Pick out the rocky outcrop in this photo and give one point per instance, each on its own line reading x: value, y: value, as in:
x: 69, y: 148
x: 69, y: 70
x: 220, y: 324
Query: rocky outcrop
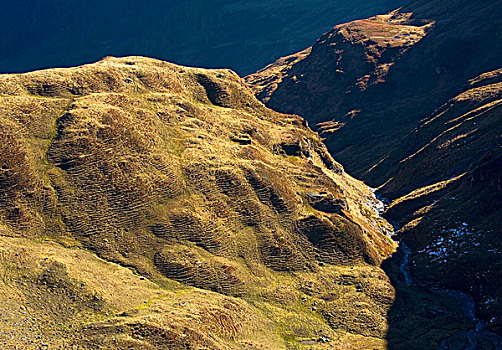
x: 326, y: 202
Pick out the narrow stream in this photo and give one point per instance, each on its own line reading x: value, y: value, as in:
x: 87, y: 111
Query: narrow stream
x: 405, y: 264
x: 473, y: 336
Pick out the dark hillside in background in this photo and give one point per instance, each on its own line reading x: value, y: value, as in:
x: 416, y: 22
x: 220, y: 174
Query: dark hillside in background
x: 242, y: 35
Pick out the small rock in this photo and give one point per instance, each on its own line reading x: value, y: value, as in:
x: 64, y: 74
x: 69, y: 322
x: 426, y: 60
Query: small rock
x: 308, y: 342
x: 326, y: 203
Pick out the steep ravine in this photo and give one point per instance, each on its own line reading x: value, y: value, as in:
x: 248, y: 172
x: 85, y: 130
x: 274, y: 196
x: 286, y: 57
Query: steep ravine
x: 472, y: 335
x: 468, y: 334
x: 423, y: 317
x: 240, y: 229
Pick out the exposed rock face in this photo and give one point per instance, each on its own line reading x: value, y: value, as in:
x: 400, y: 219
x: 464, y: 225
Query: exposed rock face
x: 183, y: 176
x: 326, y: 202
x: 410, y: 102
x: 293, y: 145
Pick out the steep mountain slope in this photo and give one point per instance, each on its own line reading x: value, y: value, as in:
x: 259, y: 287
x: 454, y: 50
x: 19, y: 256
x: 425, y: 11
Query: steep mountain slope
x: 240, y: 34
x: 240, y: 229
x: 367, y: 83
x: 409, y: 102
x: 453, y: 209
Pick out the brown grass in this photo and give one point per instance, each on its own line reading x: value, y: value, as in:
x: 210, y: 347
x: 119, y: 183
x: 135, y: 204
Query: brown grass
x: 183, y: 176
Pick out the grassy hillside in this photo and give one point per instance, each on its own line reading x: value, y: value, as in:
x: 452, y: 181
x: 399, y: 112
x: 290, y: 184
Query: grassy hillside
x: 367, y: 84
x: 149, y: 205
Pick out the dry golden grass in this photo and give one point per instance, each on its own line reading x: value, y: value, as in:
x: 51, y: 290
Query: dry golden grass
x: 380, y: 37
x: 181, y: 175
